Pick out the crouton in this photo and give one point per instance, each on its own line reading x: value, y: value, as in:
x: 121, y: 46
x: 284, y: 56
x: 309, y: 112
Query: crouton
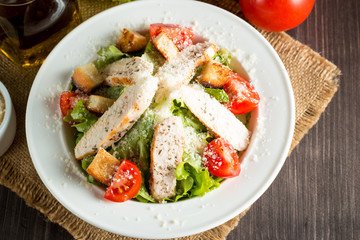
x: 131, y: 41
x: 103, y: 167
x: 87, y: 77
x: 126, y: 71
x: 214, y: 75
x: 98, y: 104
x: 166, y: 154
x: 180, y: 70
x: 217, y: 118
x: 165, y: 46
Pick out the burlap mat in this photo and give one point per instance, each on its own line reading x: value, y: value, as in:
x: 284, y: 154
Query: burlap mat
x: 314, y: 80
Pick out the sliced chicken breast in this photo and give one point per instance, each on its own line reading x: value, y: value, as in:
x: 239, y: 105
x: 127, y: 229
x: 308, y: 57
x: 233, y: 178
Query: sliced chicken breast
x: 119, y: 118
x: 127, y: 71
x: 180, y: 69
x: 166, y: 153
x: 215, y: 117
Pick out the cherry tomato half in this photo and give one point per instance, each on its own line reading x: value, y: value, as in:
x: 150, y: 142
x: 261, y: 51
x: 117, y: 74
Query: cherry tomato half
x: 221, y: 159
x: 125, y: 184
x: 242, y: 95
x: 182, y: 37
x: 276, y: 15
x: 69, y: 99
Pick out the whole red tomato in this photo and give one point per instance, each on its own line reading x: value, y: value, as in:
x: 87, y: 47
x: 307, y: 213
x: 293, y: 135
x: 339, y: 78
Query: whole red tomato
x: 276, y: 15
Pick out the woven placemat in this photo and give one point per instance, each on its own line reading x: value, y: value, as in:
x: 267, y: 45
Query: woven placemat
x: 314, y: 80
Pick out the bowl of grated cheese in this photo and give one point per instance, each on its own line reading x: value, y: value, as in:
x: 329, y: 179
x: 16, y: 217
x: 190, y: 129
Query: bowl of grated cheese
x: 7, y: 120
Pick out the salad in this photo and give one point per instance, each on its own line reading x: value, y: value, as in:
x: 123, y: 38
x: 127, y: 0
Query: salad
x: 158, y: 117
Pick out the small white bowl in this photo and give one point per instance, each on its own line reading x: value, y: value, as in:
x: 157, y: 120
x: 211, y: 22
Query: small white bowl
x: 8, y: 124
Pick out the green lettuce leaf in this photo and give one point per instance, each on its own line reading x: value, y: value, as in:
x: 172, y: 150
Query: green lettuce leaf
x: 114, y: 92
x: 192, y: 182
x: 223, y: 56
x: 107, y: 55
x: 82, y: 118
x: 143, y: 195
x: 85, y: 162
x: 135, y: 146
x: 180, y: 109
x: 244, y: 118
x: 152, y: 55
x: 110, y: 92
x: 218, y: 94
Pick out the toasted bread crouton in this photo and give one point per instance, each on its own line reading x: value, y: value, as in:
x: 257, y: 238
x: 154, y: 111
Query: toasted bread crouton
x: 99, y: 104
x: 209, y: 50
x: 165, y: 46
x: 181, y: 69
x: 218, y: 119
x: 126, y: 71
x: 214, y: 75
x: 131, y: 41
x: 87, y: 77
x: 103, y: 167
x: 166, y: 153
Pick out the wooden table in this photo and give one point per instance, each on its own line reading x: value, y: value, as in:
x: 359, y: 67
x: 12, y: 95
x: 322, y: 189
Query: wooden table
x: 316, y: 194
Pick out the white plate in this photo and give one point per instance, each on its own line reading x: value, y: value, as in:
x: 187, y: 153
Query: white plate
x: 49, y: 139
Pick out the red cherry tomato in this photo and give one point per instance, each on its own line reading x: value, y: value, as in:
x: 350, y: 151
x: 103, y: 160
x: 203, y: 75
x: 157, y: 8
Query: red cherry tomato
x: 69, y: 99
x: 221, y: 159
x: 276, y: 15
x: 125, y: 184
x: 182, y: 37
x: 242, y: 95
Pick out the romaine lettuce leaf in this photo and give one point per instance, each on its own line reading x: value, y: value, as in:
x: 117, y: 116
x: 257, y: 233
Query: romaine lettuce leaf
x: 82, y: 118
x: 143, y: 194
x: 152, y: 55
x: 218, y: 94
x: 244, y: 118
x: 180, y: 109
x: 192, y: 182
x: 107, y: 55
x: 114, y: 92
x: 110, y: 92
x: 223, y: 56
x: 85, y: 162
x: 136, y: 142
x: 135, y: 145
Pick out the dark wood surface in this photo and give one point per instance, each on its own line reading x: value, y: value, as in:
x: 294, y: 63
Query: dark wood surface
x: 317, y: 193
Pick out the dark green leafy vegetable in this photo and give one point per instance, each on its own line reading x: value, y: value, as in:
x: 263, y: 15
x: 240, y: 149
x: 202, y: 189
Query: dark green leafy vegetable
x: 110, y: 92
x: 71, y: 86
x: 143, y: 194
x: 218, y: 94
x: 135, y: 146
x: 136, y: 142
x: 107, y: 55
x: 180, y: 109
x: 85, y: 162
x: 152, y: 55
x: 223, y: 56
x: 244, y: 118
x: 193, y: 182
x: 82, y: 118
x: 114, y: 92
